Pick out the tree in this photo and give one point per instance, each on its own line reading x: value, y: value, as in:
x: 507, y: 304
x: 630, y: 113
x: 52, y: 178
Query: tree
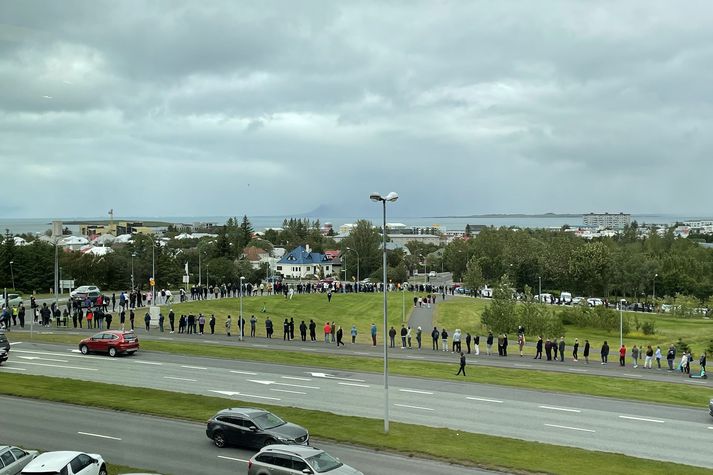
x: 473, y: 277
x: 245, y: 233
x: 366, y: 241
x: 500, y: 316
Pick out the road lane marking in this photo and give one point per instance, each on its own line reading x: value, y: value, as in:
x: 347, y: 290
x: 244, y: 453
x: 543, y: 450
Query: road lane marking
x: 484, y: 399
x: 237, y: 393
x: 57, y: 366
x: 642, y: 419
x: 194, y: 367
x: 148, y: 362
x: 578, y: 370
x: 13, y: 369
x: 243, y: 372
x: 261, y: 397
x: 256, y: 345
x: 417, y: 391
x: 361, y: 353
x: 553, y: 408
x: 711, y: 428
x: 268, y: 383
x: 329, y: 376
x: 12, y: 343
x: 32, y: 358
x: 232, y: 458
x: 417, y: 357
x: 286, y: 391
x: 355, y: 384
x: 296, y: 378
x: 181, y: 379
x: 98, y: 435
x: 415, y: 407
x: 523, y: 365
x: 310, y: 349
x: 632, y: 375
x: 570, y: 428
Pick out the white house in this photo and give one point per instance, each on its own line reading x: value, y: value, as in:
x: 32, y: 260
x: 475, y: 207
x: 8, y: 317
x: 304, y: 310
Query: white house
x: 301, y: 262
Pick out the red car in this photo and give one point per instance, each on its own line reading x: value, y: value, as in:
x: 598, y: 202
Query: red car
x: 113, y: 342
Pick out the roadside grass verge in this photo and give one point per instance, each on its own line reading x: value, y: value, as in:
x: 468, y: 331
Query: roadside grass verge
x: 345, y: 310
x: 465, y: 313
x: 551, y: 381
x: 442, y: 444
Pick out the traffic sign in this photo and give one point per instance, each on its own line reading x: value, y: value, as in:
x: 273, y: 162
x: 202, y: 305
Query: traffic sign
x: 152, y: 282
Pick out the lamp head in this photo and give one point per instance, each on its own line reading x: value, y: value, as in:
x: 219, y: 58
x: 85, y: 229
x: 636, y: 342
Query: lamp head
x: 242, y: 278
x: 375, y: 197
x: 393, y: 196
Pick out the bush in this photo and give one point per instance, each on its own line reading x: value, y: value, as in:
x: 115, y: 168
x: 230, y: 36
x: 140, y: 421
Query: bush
x: 649, y: 327
x: 682, y: 346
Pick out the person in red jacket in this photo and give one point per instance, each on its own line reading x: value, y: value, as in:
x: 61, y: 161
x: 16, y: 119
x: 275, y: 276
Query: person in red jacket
x: 327, y: 332
x: 622, y: 355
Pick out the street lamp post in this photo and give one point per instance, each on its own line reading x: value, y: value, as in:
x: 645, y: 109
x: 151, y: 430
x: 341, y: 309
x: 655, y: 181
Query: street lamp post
x: 240, y: 318
x: 12, y: 275
x: 60, y: 281
x: 539, y: 295
x: 655, y: 275
x: 133, y: 254
x: 403, y: 302
x: 621, y: 325
x: 383, y: 199
x: 153, y: 272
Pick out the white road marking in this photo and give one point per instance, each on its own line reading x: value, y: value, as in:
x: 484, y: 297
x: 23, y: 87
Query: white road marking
x: 57, y: 366
x: 286, y: 391
x: 329, y: 376
x: 417, y: 391
x: 578, y: 370
x: 98, y: 435
x: 256, y: 345
x: 361, y: 353
x: 243, y: 372
x: 310, y: 349
x: 32, y: 358
x: 15, y: 343
x: 193, y: 367
x: 355, y: 384
x: 13, y: 369
x: 570, y: 428
x: 231, y: 458
x: 632, y: 375
x: 268, y: 383
x: 165, y: 338
x: 148, y: 362
x: 297, y: 378
x: 415, y: 407
x: 711, y: 428
x: 497, y: 401
x: 642, y: 419
x: 523, y: 365
x: 236, y: 393
x: 552, y: 408
x: 416, y: 357
x: 180, y: 379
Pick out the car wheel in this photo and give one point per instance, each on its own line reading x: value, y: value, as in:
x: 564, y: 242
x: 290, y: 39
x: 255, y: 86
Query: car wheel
x: 268, y: 441
x: 102, y: 471
x: 84, y: 349
x: 112, y: 351
x: 219, y: 439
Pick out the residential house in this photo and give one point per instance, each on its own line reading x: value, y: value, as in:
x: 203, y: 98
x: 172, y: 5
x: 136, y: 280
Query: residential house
x: 302, y: 263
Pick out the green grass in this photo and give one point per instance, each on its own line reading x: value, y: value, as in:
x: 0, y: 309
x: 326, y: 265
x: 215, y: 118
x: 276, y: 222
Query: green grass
x: 438, y: 443
x: 620, y: 388
x: 465, y: 313
x: 345, y: 309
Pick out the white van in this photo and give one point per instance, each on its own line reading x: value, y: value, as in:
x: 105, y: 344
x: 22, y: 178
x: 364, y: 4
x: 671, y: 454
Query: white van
x: 565, y: 298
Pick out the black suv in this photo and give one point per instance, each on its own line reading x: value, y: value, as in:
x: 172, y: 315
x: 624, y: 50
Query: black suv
x: 252, y: 427
x: 4, y: 347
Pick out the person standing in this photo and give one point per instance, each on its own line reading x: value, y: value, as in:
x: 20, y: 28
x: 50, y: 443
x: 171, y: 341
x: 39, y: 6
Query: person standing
x: 489, y: 343
x: 622, y: 355
x: 605, y: 352
x: 648, y: 357
x: 228, y: 324
x: 132, y: 316
x: 435, y: 334
x: 538, y: 349
x: 292, y: 328
x: 303, y: 330
x: 670, y: 357
x: 171, y: 320
x: 468, y: 339
x: 521, y: 343
x: 340, y: 335
x: 211, y: 324
x: 354, y: 333
x: 505, y: 344
x: 702, y: 362
x: 418, y: 337
x: 286, y: 331
x: 476, y: 345
x: 403, y: 336
x: 635, y: 356
x: 191, y: 323
x: 108, y: 319
x: 327, y: 331
x: 113, y: 302
x: 456, y: 341
x: 21, y: 316
x: 333, y: 331
x: 312, y: 330
x: 658, y: 357
x: 160, y: 321
x: 147, y: 320
x: 392, y: 336
x: 444, y: 339
x: 575, y: 350
x: 562, y: 347
x: 408, y: 336
x: 548, y: 349
x: 373, y: 334
x: 462, y: 365
x: 201, y: 323
x: 253, y: 323
x: 586, y: 352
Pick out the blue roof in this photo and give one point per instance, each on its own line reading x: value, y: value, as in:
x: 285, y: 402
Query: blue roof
x: 300, y: 256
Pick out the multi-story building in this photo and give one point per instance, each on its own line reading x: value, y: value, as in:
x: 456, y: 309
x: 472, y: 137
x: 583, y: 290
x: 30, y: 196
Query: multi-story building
x: 607, y: 220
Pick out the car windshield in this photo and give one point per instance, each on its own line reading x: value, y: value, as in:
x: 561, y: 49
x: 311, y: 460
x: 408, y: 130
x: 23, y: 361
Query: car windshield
x: 267, y: 420
x: 323, y: 462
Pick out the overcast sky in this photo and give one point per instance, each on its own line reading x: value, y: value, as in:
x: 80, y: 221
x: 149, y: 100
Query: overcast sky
x: 273, y: 108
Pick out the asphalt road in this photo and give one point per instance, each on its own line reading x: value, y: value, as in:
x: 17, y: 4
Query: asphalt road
x: 639, y: 429
x: 166, y: 445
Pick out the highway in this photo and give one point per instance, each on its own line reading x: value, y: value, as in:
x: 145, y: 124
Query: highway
x: 639, y: 429
x: 165, y: 445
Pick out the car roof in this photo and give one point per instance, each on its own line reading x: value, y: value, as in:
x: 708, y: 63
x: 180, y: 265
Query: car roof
x: 246, y: 411
x: 300, y: 450
x: 54, y: 461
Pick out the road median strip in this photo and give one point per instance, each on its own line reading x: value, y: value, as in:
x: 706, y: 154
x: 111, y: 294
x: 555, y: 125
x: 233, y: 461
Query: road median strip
x: 448, y: 445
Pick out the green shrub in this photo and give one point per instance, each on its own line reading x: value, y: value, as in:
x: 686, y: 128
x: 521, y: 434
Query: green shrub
x: 649, y: 327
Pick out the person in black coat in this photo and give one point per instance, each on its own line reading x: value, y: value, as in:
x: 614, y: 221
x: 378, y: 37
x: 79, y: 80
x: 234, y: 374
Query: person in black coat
x: 585, y: 353
x: 538, y: 355
x: 505, y: 345
x: 303, y: 331
x: 435, y: 334
x: 286, y: 330
x: 211, y: 324
x: 462, y: 364
x: 467, y: 341
x: 605, y: 353
x: 548, y: 349
x: 340, y: 335
x: 312, y: 330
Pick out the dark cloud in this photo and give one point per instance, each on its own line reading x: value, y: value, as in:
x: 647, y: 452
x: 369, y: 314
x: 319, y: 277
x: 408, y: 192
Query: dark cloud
x: 174, y: 107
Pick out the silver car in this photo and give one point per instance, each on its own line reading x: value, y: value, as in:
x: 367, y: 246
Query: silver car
x: 14, y: 459
x: 296, y: 460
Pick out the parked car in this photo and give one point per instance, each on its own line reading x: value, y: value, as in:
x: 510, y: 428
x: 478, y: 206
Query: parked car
x: 83, y: 289
x: 296, y: 460
x: 66, y: 463
x: 4, y: 347
x: 14, y: 459
x: 710, y: 407
x: 595, y: 302
x: 578, y: 300
x: 113, y: 342
x: 11, y: 300
x: 251, y: 427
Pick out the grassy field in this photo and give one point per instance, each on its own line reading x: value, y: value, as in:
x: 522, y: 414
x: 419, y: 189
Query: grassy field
x: 438, y: 443
x: 344, y: 309
x: 621, y: 388
x: 465, y: 313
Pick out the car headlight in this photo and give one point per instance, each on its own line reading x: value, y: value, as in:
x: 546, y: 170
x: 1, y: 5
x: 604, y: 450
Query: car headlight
x: 285, y: 440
